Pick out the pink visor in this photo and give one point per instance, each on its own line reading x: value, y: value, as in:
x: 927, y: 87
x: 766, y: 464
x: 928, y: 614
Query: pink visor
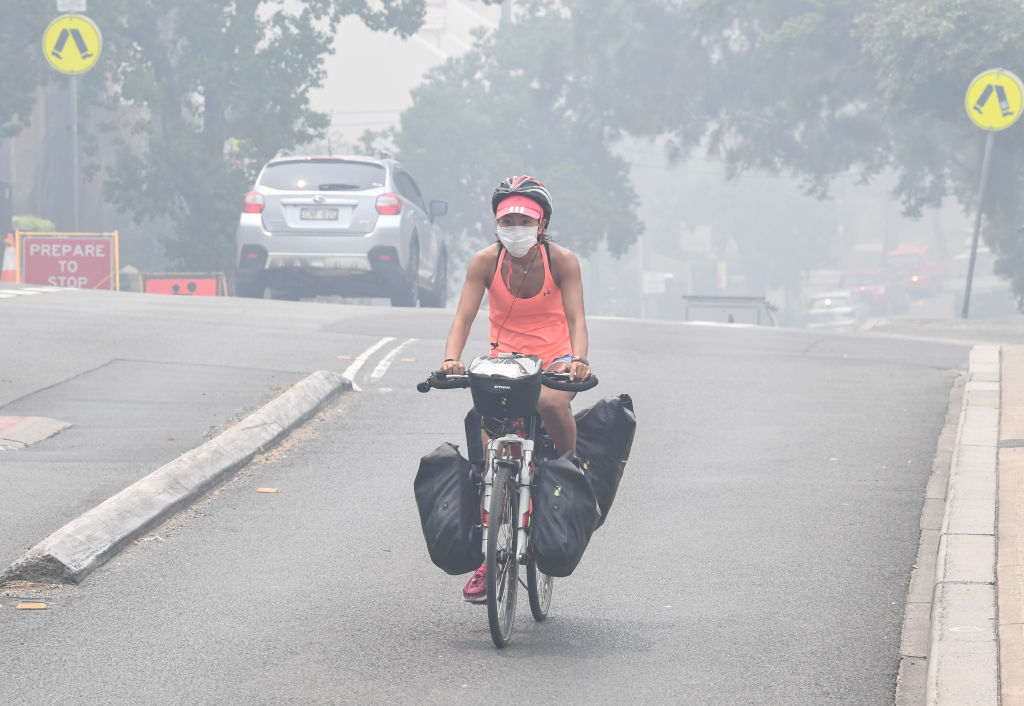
x: 519, y: 204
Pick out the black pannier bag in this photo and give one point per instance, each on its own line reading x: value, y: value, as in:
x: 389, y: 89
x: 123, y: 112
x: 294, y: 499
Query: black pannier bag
x: 447, y: 490
x: 604, y: 437
x: 565, y: 513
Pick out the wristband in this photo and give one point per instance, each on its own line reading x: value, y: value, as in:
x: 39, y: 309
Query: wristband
x: 580, y: 359
x: 450, y: 360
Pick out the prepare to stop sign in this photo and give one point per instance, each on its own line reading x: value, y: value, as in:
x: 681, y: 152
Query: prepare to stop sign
x: 84, y: 263
x: 68, y: 249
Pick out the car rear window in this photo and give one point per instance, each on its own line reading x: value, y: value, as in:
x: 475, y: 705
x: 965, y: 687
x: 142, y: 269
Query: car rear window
x: 323, y: 176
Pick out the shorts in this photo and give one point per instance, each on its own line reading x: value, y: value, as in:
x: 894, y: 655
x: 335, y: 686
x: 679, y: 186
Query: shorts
x: 563, y: 359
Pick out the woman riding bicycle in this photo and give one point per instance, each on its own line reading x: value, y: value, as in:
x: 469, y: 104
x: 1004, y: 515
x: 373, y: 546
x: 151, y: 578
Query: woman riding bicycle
x: 535, y: 295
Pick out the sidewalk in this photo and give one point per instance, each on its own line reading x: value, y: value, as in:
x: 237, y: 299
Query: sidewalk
x: 963, y: 638
x: 1010, y: 533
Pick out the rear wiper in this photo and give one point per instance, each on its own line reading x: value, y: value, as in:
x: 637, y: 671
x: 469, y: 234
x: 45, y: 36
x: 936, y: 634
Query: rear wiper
x: 338, y: 187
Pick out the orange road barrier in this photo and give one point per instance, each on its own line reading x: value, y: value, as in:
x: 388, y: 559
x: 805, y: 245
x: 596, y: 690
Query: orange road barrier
x: 205, y: 284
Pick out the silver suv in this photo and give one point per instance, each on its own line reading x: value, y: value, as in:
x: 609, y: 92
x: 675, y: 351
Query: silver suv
x: 350, y: 226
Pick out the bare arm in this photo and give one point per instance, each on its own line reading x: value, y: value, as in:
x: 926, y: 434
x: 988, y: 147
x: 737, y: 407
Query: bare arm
x: 570, y: 281
x: 477, y: 276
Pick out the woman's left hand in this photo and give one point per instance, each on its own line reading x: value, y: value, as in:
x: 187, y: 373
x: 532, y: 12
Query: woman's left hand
x: 579, y: 369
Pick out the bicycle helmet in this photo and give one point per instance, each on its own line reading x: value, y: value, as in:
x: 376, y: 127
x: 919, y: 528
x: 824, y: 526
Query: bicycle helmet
x: 523, y: 186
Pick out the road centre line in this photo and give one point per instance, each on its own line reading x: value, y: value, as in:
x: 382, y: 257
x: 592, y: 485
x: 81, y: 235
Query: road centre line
x: 382, y: 366
x: 353, y: 369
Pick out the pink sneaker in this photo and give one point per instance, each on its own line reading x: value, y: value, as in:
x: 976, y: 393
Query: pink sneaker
x: 476, y: 588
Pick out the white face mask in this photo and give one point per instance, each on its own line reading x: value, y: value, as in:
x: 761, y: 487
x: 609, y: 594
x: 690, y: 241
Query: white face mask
x: 518, y: 239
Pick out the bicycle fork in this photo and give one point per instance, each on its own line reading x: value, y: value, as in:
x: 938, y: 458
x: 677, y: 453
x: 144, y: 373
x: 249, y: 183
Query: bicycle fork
x: 515, y: 449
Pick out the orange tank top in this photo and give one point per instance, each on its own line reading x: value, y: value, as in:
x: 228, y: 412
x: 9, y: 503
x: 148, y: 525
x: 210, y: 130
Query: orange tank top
x: 534, y: 326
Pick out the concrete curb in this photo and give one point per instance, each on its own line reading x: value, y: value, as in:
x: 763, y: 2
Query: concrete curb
x: 72, y: 552
x: 963, y: 641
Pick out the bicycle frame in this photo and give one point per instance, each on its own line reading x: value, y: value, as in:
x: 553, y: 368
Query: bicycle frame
x: 518, y: 450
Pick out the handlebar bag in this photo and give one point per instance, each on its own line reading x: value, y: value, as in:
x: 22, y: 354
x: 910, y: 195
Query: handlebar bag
x: 505, y: 386
x: 565, y: 513
x: 604, y: 437
x: 447, y: 491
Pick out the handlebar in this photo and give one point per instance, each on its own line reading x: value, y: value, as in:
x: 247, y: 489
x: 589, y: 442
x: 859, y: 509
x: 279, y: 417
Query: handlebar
x: 441, y: 380
x: 557, y: 381
x: 561, y: 381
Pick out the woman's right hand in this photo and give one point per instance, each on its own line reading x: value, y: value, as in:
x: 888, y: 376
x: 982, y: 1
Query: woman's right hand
x: 453, y: 367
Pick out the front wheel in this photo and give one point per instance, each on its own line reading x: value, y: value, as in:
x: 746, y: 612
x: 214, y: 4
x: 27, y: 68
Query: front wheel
x: 502, y: 554
x: 539, y: 586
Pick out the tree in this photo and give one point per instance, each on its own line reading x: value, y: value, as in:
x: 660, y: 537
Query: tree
x: 926, y: 53
x: 505, y: 108
x: 817, y: 89
x: 205, y: 92
x: 21, y: 61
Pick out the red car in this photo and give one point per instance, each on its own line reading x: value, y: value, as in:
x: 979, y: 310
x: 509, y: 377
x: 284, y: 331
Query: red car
x: 883, y: 292
x: 919, y: 268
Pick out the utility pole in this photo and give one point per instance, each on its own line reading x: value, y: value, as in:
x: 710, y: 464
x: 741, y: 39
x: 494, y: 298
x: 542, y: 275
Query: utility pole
x: 506, y: 12
x: 72, y: 45
x: 994, y: 102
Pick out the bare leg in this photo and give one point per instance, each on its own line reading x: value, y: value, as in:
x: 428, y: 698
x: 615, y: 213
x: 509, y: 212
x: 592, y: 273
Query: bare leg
x: 553, y: 408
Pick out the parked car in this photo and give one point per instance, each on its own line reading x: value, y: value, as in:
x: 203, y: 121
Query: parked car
x: 351, y: 226
x: 756, y: 311
x: 991, y: 295
x: 919, y: 268
x: 882, y: 292
x: 842, y: 310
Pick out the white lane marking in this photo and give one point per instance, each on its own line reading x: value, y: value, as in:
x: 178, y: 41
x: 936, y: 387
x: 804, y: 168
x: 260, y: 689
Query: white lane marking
x: 382, y: 367
x: 350, y: 371
x: 7, y: 296
x: 18, y: 292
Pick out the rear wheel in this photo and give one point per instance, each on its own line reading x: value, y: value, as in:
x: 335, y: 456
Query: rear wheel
x: 502, y: 555
x: 405, y: 290
x: 539, y: 586
x: 436, y: 297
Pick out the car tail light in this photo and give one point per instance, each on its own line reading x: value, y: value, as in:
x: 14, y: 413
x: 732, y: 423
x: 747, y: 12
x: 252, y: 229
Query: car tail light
x: 253, y: 202
x: 389, y: 205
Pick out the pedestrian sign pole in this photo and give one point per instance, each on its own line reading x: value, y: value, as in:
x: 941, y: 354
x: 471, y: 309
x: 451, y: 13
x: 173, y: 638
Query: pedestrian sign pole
x: 993, y: 102
x: 72, y: 45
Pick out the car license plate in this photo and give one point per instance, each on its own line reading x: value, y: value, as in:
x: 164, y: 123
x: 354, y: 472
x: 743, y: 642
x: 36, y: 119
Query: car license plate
x: 318, y: 214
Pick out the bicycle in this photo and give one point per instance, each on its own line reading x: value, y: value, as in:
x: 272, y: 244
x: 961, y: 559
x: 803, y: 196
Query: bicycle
x: 505, y: 391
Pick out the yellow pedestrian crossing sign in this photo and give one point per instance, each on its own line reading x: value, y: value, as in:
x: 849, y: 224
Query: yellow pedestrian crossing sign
x: 72, y: 44
x: 994, y: 99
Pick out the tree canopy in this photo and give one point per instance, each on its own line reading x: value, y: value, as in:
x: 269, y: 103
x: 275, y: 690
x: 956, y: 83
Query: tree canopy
x: 204, y: 92
x: 21, y: 30
x: 504, y: 109
x: 812, y: 89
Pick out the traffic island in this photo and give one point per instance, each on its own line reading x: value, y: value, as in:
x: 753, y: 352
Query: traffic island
x: 68, y: 555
